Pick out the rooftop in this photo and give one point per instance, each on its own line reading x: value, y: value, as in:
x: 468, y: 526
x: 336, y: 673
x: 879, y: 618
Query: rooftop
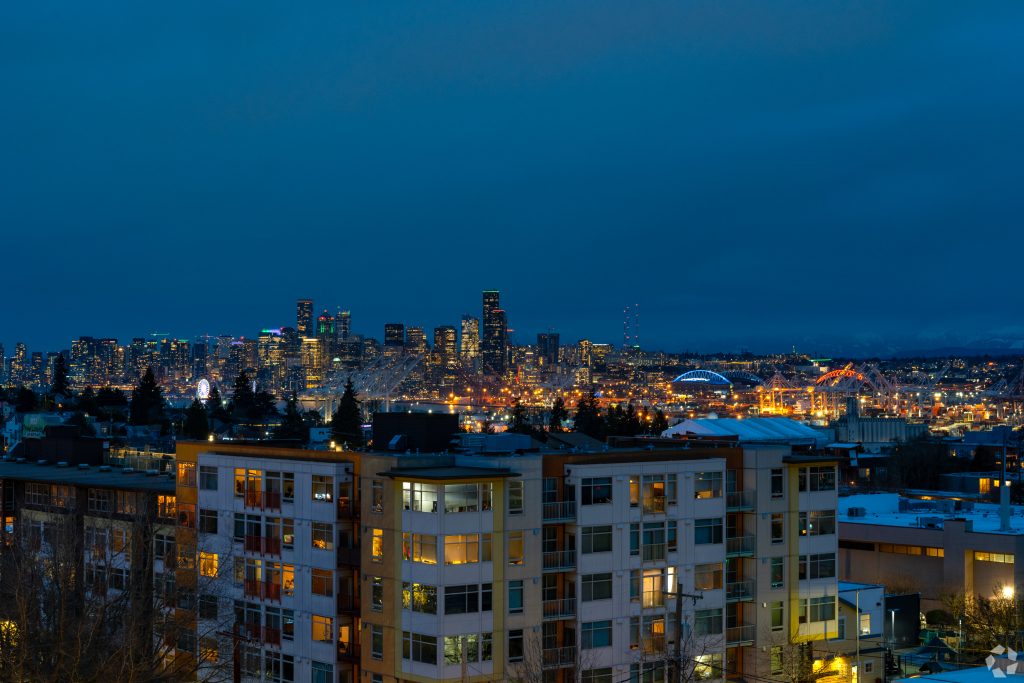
x: 110, y: 478
x: 763, y: 429
x: 449, y: 472
x: 891, y: 509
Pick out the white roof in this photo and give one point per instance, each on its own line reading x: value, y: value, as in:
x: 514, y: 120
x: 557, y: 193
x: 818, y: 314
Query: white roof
x: 883, y: 509
x: 975, y: 674
x: 749, y: 429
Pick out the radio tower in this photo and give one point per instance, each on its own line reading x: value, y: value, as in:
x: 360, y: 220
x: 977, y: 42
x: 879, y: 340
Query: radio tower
x: 631, y: 326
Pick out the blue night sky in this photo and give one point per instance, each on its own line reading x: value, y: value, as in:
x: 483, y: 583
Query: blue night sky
x: 754, y: 174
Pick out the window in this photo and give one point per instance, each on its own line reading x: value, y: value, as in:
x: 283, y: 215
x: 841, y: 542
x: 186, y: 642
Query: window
x: 208, y: 477
x: 377, y: 641
x: 707, y: 485
x: 187, y: 515
x: 322, y: 582
x: 377, y: 593
x: 376, y: 495
x: 208, y: 521
x: 127, y: 502
x: 462, y: 549
x: 775, y: 660
x: 462, y: 497
x: 865, y: 624
x: 99, y: 500
x: 818, y: 523
x: 419, y: 597
x: 982, y: 556
x: 840, y: 629
x: 515, y: 497
x: 821, y: 566
x: 208, y: 564
x: 515, y: 547
x: 707, y: 666
x: 634, y: 539
x: 707, y: 577
x: 167, y: 507
x: 323, y: 536
x: 209, y: 607
x: 62, y: 495
x: 515, y: 597
x: 288, y: 486
x: 462, y: 599
x: 778, y: 528
x: 634, y: 491
x: 377, y: 545
x: 280, y: 668
x: 288, y: 624
x: 653, y: 585
x: 707, y: 531
x: 119, y: 578
x: 323, y: 629
x: 39, y: 494
x: 647, y: 672
x: 822, y: 478
x: 777, y: 615
x: 597, y: 587
x: 120, y: 540
x: 596, y: 491
x: 163, y: 546
x: 707, y: 622
x: 778, y: 575
x: 817, y: 609
x: 419, y: 497
x: 597, y: 539
x: 597, y: 676
x: 596, y: 634
x: 187, y: 474
x: 653, y: 541
x: 777, y: 480
x: 322, y: 672
x: 419, y: 647
x: 419, y: 548
x: 648, y: 633
x: 515, y: 645
x: 323, y: 488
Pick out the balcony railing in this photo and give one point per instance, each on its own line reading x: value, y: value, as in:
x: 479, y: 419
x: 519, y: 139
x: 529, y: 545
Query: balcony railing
x: 348, y: 651
x: 740, y: 635
x: 262, y: 500
x: 262, y: 590
x: 653, y: 552
x: 653, y: 644
x: 740, y: 500
x: 558, y: 657
x: 271, y: 636
x: 654, y: 505
x: 263, y: 545
x: 559, y: 560
x: 739, y: 590
x: 348, y: 557
x: 562, y: 511
x: 741, y: 545
x: 563, y: 608
x: 348, y: 604
x: 348, y: 509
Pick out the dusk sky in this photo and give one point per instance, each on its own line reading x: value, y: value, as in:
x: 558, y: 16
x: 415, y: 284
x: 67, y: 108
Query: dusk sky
x: 753, y: 174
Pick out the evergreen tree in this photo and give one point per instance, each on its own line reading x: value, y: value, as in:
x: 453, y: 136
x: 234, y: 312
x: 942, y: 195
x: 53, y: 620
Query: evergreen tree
x: 558, y: 415
x: 215, y: 406
x: 519, y: 423
x: 264, y: 405
x: 111, y: 404
x: 588, y: 417
x: 660, y: 423
x: 87, y: 402
x: 25, y: 400
x: 60, y: 378
x: 346, y: 423
x: 147, y: 406
x: 292, y: 426
x: 79, y: 420
x: 197, y: 423
x: 243, y: 400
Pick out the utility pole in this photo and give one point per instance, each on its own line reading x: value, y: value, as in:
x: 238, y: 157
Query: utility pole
x: 677, y: 659
x: 237, y: 637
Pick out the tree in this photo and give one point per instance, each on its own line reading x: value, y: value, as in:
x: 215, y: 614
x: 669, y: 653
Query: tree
x: 293, y: 426
x: 347, y: 421
x: 60, y: 387
x: 518, y: 423
x: 25, y: 400
x: 588, y: 417
x: 147, y: 406
x: 558, y: 415
x: 660, y: 423
x: 243, y: 399
x: 87, y: 402
x: 111, y: 403
x: 79, y: 420
x: 215, y: 407
x: 197, y: 424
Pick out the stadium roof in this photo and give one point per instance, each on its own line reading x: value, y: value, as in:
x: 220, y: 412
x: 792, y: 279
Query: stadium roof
x: 777, y: 429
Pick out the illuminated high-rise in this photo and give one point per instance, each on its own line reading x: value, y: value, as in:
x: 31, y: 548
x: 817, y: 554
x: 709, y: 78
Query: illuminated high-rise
x: 304, y: 317
x: 494, y: 345
x: 394, y: 340
x: 343, y: 323
x: 547, y: 350
x: 415, y: 340
x: 469, y: 350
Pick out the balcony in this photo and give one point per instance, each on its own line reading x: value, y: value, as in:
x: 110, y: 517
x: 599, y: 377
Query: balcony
x: 348, y: 557
x: 348, y: 509
x: 261, y: 590
x: 562, y: 511
x: 564, y: 608
x: 739, y: 635
x: 654, y: 505
x: 558, y: 657
x: 560, y: 560
x: 653, y: 644
x: 348, y: 652
x: 262, y: 500
x: 737, y: 591
x: 263, y: 545
x: 654, y: 552
x: 737, y: 501
x: 348, y: 604
x: 740, y: 546
x: 271, y: 636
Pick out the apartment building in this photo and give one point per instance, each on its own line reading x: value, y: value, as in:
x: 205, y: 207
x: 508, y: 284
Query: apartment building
x: 539, y: 566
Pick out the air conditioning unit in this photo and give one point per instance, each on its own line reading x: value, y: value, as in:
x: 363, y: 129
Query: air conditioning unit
x: 857, y: 512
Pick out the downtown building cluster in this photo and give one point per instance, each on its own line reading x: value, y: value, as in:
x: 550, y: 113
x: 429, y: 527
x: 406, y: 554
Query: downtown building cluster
x: 332, y: 566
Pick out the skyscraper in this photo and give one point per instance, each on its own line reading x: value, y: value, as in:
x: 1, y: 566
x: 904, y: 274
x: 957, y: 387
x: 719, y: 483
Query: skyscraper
x: 415, y: 340
x: 343, y: 321
x: 494, y: 345
x: 547, y: 350
x: 470, y: 345
x: 394, y: 339
x: 304, y: 317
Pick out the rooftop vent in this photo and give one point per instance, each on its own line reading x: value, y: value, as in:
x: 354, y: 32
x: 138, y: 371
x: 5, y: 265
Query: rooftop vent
x: 152, y: 473
x: 83, y: 466
x: 42, y: 463
x: 127, y: 470
x: 857, y: 512
x: 20, y: 460
x: 62, y: 463
x: 104, y: 468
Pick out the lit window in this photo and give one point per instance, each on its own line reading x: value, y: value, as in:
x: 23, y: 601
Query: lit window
x: 208, y: 563
x: 323, y: 629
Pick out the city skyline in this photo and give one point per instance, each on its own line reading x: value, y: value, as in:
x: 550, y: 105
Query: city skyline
x: 734, y: 173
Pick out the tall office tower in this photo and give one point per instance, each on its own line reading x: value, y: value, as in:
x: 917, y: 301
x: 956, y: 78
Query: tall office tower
x: 547, y: 350
x: 494, y: 345
x: 3, y: 366
x: 199, y: 351
x: 19, y: 364
x: 394, y: 340
x: 51, y: 366
x: 343, y: 321
x: 469, y: 350
x: 444, y: 344
x: 38, y: 368
x: 270, y: 359
x: 416, y: 340
x: 304, y: 317
x: 312, y: 362
x: 325, y: 326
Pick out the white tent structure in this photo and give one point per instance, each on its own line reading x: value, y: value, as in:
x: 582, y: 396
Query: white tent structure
x: 762, y: 429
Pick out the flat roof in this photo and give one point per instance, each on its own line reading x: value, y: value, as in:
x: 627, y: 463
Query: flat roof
x: 450, y: 472
x: 91, y: 477
x: 883, y: 509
